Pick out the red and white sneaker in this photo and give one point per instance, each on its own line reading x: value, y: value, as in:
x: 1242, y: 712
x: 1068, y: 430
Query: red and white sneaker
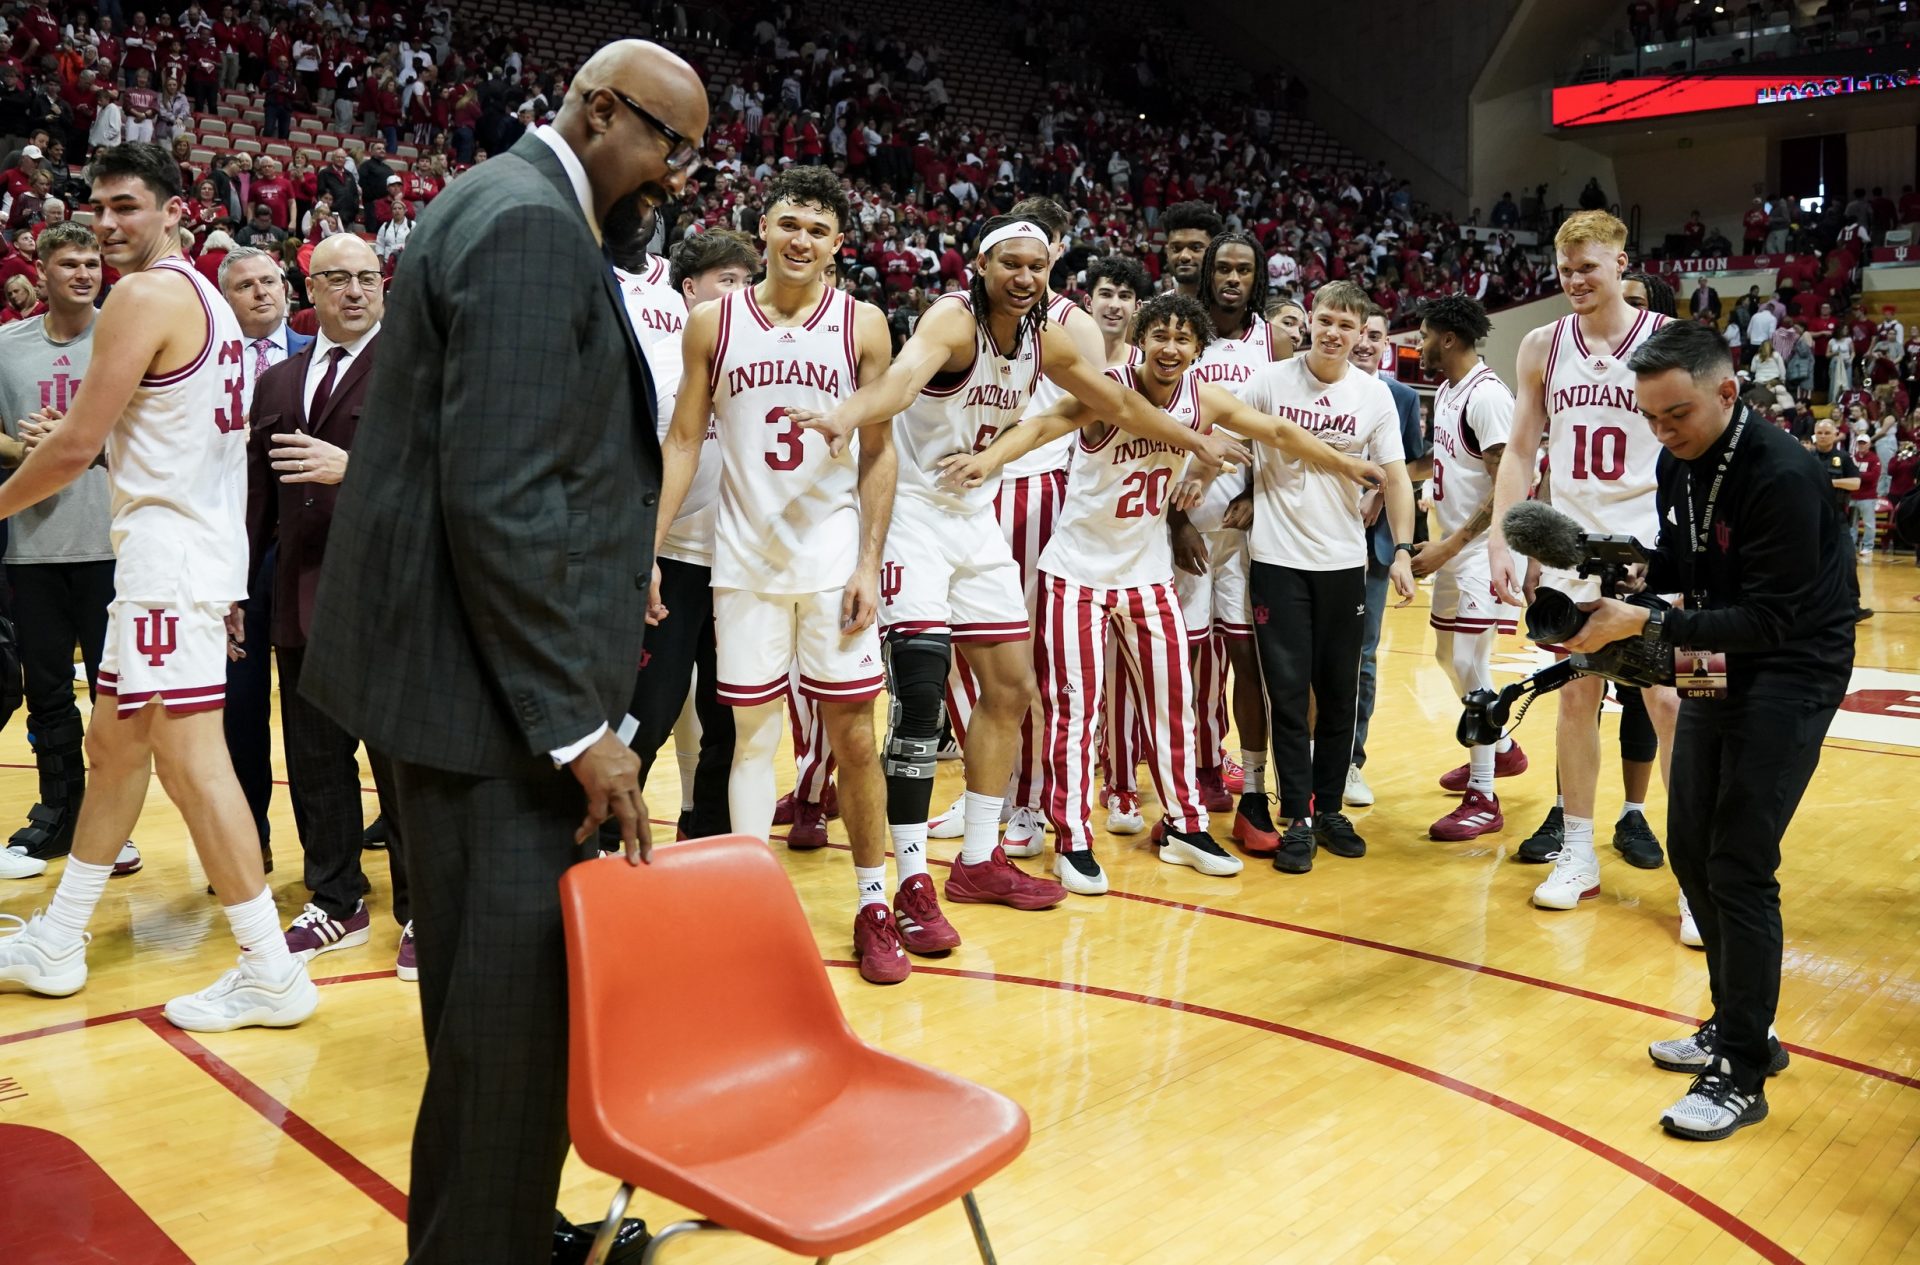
x: 809, y: 829
x: 1478, y: 814
x: 998, y: 881
x: 1509, y: 763
x: 405, y: 965
x: 1213, y: 791
x: 1123, y: 813
x: 1026, y: 834
x: 315, y: 931
x: 1232, y: 776
x: 127, y: 862
x: 951, y: 824
x: 923, y: 928
x: 1253, y: 826
x: 876, y: 942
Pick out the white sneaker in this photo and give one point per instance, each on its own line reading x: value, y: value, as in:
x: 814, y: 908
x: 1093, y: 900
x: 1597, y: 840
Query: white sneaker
x: 951, y: 824
x: 1689, y: 929
x: 15, y: 863
x: 26, y: 958
x: 240, y: 999
x: 127, y: 861
x: 1094, y: 884
x: 1123, y: 813
x: 1359, y: 794
x: 1027, y: 835
x: 1575, y: 877
x: 1208, y: 857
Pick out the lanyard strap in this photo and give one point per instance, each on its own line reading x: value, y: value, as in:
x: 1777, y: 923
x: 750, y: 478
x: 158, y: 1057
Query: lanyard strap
x: 1699, y: 526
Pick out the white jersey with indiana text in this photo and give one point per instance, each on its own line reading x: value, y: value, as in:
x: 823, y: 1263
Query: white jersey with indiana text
x: 962, y: 412
x: 1054, y: 456
x: 658, y: 315
x: 1601, y: 454
x: 654, y: 306
x: 1228, y: 363
x: 1468, y: 419
x: 1112, y: 532
x: 789, y: 517
x: 177, y: 467
x: 1306, y: 518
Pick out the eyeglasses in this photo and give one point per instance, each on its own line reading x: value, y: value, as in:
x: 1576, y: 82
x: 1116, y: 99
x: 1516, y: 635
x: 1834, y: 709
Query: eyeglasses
x: 340, y: 278
x: 681, y: 152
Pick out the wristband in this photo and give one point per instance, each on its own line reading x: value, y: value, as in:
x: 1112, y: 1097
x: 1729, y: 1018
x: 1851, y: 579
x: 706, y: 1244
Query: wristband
x: 1401, y: 547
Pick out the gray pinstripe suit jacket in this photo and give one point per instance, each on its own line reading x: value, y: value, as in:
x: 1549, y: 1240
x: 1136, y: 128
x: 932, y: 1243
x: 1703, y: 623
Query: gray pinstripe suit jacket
x: 483, y: 597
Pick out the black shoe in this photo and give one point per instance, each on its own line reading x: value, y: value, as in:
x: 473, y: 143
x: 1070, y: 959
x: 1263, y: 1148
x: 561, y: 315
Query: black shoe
x: 1862, y: 615
x: 62, y: 771
x: 1296, y: 849
x: 1634, y: 839
x: 1715, y: 1106
x: 1256, y: 808
x: 1545, y: 843
x: 375, y: 836
x: 1336, y: 834
x: 571, y: 1242
x: 1696, y: 1053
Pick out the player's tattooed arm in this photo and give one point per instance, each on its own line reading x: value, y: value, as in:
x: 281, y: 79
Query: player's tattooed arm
x: 1430, y: 555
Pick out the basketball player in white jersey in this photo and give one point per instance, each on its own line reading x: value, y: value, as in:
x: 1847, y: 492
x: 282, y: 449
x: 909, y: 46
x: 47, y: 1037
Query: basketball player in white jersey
x: 963, y: 377
x: 1233, y: 289
x: 1472, y: 416
x: 1576, y: 390
x: 1291, y: 318
x: 797, y: 540
x: 1027, y: 505
x: 1188, y: 226
x: 163, y: 395
x: 674, y: 690
x: 1111, y: 563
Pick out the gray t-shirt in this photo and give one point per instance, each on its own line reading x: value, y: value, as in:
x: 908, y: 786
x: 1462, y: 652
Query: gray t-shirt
x: 35, y: 373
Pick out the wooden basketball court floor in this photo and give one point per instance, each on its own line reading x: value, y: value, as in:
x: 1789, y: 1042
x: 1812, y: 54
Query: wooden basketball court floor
x: 1391, y: 1059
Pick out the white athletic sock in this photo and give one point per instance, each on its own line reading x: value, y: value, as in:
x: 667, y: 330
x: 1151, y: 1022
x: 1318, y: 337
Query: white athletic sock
x: 1255, y: 764
x: 1579, y: 834
x: 1504, y: 745
x: 982, y: 825
x: 72, y: 908
x: 909, y: 849
x: 1560, y: 801
x: 1631, y: 807
x: 1481, y: 777
x: 870, y: 884
x: 256, y: 925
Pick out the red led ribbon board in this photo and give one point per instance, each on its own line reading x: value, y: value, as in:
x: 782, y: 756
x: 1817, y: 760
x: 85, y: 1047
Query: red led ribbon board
x: 1624, y: 100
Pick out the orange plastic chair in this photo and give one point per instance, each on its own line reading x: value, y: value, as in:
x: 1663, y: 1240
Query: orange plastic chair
x: 715, y: 1069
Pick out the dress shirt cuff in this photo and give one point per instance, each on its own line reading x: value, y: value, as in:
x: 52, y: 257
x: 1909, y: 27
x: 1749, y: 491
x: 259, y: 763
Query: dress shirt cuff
x: 563, y: 756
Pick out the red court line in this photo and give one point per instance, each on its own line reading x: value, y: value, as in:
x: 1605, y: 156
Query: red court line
x: 1479, y: 968
x: 1747, y: 1234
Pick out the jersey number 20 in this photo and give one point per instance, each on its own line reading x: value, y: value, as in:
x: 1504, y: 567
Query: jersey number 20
x: 1143, y: 494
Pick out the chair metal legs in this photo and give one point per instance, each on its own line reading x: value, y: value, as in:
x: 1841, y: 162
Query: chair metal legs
x: 616, y: 1211
x: 972, y: 1206
x: 678, y: 1229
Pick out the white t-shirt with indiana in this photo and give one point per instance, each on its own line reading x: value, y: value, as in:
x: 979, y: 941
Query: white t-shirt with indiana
x: 1303, y: 517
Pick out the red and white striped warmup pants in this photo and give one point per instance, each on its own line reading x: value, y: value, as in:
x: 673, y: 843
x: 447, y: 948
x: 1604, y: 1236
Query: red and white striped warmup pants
x: 812, y: 755
x: 1027, y: 508
x: 1123, y: 734
x: 1210, y: 698
x: 1076, y: 624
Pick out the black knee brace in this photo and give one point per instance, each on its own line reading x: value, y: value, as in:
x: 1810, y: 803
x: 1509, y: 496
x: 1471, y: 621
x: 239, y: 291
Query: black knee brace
x: 1638, y: 740
x: 916, y: 684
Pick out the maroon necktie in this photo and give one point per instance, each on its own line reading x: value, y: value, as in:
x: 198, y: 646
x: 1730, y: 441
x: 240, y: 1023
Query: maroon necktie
x: 325, y: 390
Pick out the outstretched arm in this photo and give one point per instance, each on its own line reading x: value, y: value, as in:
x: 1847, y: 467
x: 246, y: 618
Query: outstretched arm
x: 971, y: 469
x: 945, y: 333
x: 1292, y: 440
x: 1129, y: 410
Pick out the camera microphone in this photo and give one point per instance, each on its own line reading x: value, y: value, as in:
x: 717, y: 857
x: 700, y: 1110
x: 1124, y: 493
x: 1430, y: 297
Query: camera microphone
x: 1544, y: 534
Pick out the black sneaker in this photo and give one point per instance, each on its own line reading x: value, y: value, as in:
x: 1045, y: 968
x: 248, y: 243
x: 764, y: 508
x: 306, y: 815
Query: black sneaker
x: 1197, y: 850
x: 1634, y: 839
x: 1257, y: 810
x: 1697, y: 1052
x: 1545, y: 843
x: 1715, y: 1106
x: 1336, y: 834
x: 1296, y: 849
x: 374, y: 837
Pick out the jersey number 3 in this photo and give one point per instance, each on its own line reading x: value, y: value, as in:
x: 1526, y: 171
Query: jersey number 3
x: 232, y: 415
x: 789, y: 452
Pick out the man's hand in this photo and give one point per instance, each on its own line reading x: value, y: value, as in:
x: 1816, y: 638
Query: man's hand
x: 1608, y: 620
x: 963, y: 470
x: 859, y: 602
x: 610, y: 775
x: 37, y: 426
x: 1239, y: 515
x: 1505, y: 574
x: 300, y: 458
x: 830, y: 426
x: 236, y: 632
x: 1189, y: 549
x: 1370, y: 506
x: 656, y: 609
x: 1367, y: 475
x: 1187, y: 494
x: 1401, y: 573
x: 1430, y: 555
x: 1220, y: 452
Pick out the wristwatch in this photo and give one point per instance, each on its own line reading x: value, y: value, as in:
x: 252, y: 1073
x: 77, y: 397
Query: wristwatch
x: 1656, y: 628
x: 1401, y: 546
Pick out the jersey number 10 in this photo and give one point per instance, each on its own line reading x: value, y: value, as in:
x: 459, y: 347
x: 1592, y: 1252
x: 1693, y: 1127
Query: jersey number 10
x: 1601, y: 454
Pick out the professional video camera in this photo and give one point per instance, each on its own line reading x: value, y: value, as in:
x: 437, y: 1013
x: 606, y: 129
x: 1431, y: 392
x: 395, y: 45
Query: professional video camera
x: 1576, y: 568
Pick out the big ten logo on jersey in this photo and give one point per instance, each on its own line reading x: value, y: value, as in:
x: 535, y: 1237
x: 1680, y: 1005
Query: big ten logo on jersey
x: 1337, y: 430
x: 891, y: 577
x: 232, y: 415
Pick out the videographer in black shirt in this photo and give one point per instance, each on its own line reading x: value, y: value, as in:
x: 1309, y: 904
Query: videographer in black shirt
x: 1749, y: 534
x: 1843, y: 477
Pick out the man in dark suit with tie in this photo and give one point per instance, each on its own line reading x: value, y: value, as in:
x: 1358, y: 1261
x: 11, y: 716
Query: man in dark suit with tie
x: 304, y: 414
x: 481, y: 609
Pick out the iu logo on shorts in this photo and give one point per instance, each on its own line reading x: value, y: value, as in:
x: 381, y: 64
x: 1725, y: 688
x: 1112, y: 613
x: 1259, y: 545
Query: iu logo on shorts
x: 1260, y: 613
x: 156, y: 635
x: 889, y: 581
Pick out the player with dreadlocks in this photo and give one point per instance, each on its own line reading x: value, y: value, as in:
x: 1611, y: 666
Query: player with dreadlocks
x: 1648, y: 293
x: 948, y: 574
x: 1211, y: 546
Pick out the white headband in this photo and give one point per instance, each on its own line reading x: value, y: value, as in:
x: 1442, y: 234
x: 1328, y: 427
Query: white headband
x: 1006, y: 232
